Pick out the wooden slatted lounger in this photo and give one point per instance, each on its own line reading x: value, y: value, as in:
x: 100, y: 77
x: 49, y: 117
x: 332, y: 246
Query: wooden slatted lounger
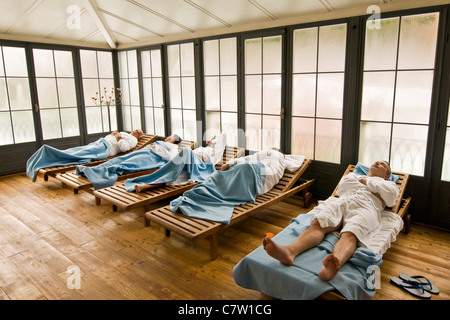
x: 194, y: 229
x: 78, y: 182
x: 119, y: 197
x: 143, y: 141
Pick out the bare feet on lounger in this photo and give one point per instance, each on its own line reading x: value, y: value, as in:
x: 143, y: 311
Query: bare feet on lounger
x: 330, y: 268
x: 141, y: 188
x: 281, y: 253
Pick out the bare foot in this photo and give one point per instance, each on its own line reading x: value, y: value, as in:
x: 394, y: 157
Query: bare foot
x: 281, y: 253
x: 141, y: 188
x: 330, y: 268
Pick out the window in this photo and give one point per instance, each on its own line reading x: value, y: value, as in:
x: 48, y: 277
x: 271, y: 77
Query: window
x: 129, y: 85
x: 263, y: 78
x: 98, y: 81
x: 182, y: 90
x: 317, y: 91
x: 397, y: 87
x: 446, y: 165
x: 153, y: 91
x: 16, y: 114
x: 220, y: 76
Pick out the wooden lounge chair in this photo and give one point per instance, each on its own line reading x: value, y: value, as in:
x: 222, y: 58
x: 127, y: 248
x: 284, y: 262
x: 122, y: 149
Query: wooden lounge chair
x: 143, y: 141
x: 194, y: 229
x: 119, y: 197
x: 78, y: 182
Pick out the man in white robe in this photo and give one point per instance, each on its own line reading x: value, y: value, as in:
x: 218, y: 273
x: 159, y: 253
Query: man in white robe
x: 122, y: 141
x: 357, y: 211
x: 171, y: 142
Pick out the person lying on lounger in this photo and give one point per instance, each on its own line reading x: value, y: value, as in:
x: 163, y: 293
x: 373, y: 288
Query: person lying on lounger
x: 169, y: 149
x: 356, y: 213
x: 213, y: 151
x: 48, y: 156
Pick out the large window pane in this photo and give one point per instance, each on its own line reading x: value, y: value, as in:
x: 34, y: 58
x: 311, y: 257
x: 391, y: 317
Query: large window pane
x: 328, y: 140
x: 305, y: 50
x: 130, y: 89
x: 381, y: 45
x: 303, y: 137
x: 378, y: 96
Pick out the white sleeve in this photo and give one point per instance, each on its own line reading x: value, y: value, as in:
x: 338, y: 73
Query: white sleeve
x: 126, y: 142
x: 249, y: 158
x: 387, y: 190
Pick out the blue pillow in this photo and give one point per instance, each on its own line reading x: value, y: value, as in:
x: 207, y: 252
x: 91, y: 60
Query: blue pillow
x: 363, y: 170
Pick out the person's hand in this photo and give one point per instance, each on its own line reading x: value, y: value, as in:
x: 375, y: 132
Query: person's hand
x: 225, y: 167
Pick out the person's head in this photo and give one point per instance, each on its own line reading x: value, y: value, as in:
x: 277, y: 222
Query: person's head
x: 175, y: 139
x: 137, y: 133
x: 380, y: 169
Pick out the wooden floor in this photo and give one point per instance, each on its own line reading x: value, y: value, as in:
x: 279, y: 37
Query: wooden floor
x: 45, y: 230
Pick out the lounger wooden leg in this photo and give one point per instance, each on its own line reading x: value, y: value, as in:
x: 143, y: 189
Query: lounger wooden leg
x: 146, y: 222
x: 407, y: 223
x: 114, y: 207
x: 45, y: 177
x: 98, y: 201
x: 213, y: 246
x: 75, y: 191
x: 167, y: 232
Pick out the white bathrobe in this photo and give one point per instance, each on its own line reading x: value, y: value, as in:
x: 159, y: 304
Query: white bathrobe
x: 125, y: 143
x: 167, y: 154
x: 358, y: 207
x: 215, y: 153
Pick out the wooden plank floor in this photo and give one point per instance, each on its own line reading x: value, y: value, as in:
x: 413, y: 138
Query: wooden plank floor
x: 46, y: 229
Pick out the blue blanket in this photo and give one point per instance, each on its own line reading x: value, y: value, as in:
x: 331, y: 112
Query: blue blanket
x: 106, y: 174
x: 215, y: 198
x: 259, y: 271
x: 47, y: 156
x: 196, y: 170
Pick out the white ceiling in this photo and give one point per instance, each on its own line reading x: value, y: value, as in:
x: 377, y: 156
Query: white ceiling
x: 129, y: 23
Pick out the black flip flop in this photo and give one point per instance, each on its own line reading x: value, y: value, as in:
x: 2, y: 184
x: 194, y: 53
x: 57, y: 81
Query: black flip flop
x: 413, y: 287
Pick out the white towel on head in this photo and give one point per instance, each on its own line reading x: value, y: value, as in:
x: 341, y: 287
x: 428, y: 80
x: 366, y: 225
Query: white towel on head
x: 293, y: 162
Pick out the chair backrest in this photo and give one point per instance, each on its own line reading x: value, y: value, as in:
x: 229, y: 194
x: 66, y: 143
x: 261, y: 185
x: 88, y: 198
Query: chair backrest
x: 186, y: 143
x: 288, y: 179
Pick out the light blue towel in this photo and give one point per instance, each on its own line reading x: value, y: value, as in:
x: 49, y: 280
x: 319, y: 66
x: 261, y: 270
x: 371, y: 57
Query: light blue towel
x: 47, y: 156
x: 215, y: 198
x: 196, y: 170
x: 259, y: 271
x: 106, y: 174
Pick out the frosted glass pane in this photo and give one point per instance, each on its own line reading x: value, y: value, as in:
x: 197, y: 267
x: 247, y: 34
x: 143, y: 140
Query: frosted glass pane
x: 253, y: 56
x: 230, y: 127
x: 124, y: 85
x: 177, y: 122
x: 418, y: 37
x: 374, y: 142
x: 173, y: 58
x: 149, y: 120
x: 409, y: 144
x: 156, y: 63
x: 413, y: 96
x: 6, y: 136
x: 123, y: 64
x: 51, y: 127
x: 159, y: 122
x: 272, y: 54
x: 88, y: 63
x: 43, y: 63
x: 211, y: 57
x: 105, y: 118
x: 2, y: 71
x: 228, y: 56
x: 253, y: 94
x: 66, y: 93
x: 328, y: 140
x: 330, y: 95
x: 190, y: 125
x: 381, y: 45
x: 63, y: 63
x: 304, y: 95
x: 69, y: 122
x: 446, y: 164
x: 19, y: 93
x: 378, y: 96
x: 108, y: 85
x: 302, y: 140
x: 147, y: 88
x: 188, y: 92
x: 93, y: 120
x: 4, y: 105
x: 271, y: 132
x: 113, y: 118
x: 272, y: 94
x: 90, y: 87
x: 146, y: 64
x: 135, y: 118
x: 15, y: 61
x: 105, y: 67
x: 212, y: 94
x: 332, y: 43
x: 134, y: 92
x: 253, y: 132
x: 175, y: 92
x: 47, y: 93
x: 212, y: 124
x: 126, y: 114
x: 132, y: 63
x: 158, y: 100
x: 23, y: 125
x: 305, y: 50
x: 187, y: 59
x: 229, y: 93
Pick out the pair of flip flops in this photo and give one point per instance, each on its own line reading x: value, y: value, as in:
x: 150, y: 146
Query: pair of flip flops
x: 418, y: 286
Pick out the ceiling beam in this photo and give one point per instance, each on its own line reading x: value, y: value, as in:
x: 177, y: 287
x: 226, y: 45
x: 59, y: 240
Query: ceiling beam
x: 92, y: 8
